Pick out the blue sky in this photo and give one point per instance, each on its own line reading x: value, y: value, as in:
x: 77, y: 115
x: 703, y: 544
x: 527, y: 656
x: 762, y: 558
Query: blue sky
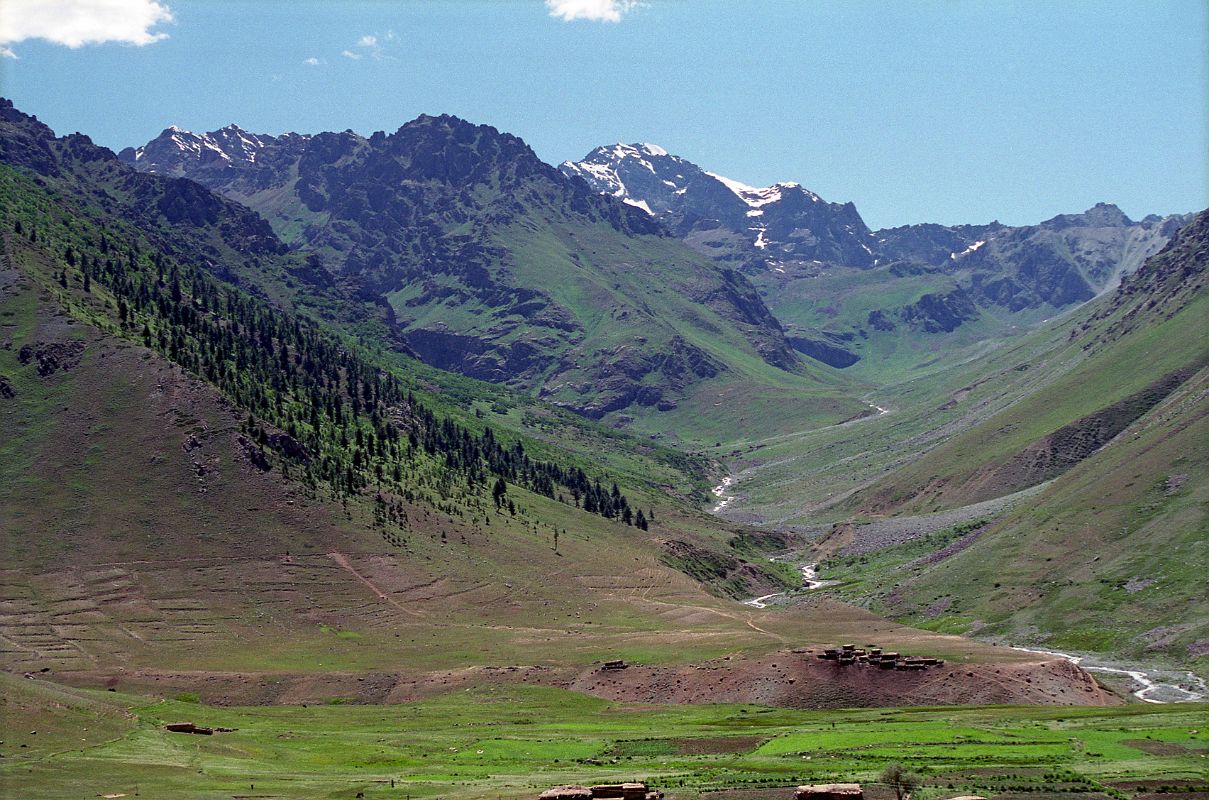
x: 955, y: 111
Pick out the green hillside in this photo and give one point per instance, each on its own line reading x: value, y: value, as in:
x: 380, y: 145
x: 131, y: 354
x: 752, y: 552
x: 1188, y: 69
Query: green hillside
x: 1106, y: 552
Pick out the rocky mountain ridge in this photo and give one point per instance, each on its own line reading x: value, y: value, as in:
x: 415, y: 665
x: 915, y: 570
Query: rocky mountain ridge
x: 494, y: 263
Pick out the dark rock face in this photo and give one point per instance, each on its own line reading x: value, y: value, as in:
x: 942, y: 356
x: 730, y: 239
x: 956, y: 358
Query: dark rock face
x: 936, y: 313
x: 723, y: 218
x: 738, y: 300
x: 928, y: 243
x: 1065, y: 260
x: 880, y: 321
x: 289, y: 447
x: 253, y: 454
x: 26, y: 141
x: 624, y: 376
x: 473, y: 356
x: 52, y: 356
x: 7, y: 392
x: 824, y: 347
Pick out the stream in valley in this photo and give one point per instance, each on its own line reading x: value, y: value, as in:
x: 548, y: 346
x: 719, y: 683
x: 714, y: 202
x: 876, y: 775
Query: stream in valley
x: 1150, y: 685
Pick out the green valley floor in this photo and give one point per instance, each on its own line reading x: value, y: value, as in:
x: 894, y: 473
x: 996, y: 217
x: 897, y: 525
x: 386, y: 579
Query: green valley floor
x: 512, y: 742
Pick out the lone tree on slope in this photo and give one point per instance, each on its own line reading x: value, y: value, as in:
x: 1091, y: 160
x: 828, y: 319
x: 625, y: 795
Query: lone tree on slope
x: 902, y: 781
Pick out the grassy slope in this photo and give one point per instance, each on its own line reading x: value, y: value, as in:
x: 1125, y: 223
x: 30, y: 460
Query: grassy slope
x: 70, y: 509
x: 841, y: 299
x: 640, y: 282
x: 804, y: 476
x: 514, y: 742
x: 1108, y: 558
x: 630, y: 292
x: 947, y: 476
x: 208, y: 564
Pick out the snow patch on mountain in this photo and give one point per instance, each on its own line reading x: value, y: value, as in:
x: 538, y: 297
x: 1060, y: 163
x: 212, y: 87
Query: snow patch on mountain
x: 638, y: 204
x: 602, y: 166
x: 755, y: 197
x: 967, y: 251
x: 784, y: 218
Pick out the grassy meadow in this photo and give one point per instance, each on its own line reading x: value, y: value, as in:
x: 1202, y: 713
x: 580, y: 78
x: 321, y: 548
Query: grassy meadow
x: 513, y: 742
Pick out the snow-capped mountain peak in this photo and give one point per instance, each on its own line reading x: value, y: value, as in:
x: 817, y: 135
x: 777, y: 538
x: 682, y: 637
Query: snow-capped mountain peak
x: 780, y: 222
x: 602, y: 167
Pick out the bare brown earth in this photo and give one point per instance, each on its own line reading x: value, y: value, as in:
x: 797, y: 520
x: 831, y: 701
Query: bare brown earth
x: 800, y: 680
x: 717, y: 745
x: 786, y: 679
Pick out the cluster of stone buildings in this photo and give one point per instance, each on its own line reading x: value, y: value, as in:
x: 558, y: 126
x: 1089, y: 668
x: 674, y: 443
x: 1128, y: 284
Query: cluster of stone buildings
x: 876, y: 657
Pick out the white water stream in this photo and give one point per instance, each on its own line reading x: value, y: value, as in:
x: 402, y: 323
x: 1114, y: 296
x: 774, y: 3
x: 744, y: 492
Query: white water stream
x: 724, y: 499
x: 810, y: 580
x: 1169, y: 685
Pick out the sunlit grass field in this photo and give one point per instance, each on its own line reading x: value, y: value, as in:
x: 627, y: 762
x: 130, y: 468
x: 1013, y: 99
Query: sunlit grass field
x: 513, y: 742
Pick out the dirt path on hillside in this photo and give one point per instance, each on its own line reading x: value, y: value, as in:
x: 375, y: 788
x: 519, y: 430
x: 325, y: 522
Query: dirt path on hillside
x: 343, y: 562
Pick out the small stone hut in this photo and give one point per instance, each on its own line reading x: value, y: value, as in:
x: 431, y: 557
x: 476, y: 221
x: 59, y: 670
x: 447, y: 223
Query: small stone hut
x: 829, y: 791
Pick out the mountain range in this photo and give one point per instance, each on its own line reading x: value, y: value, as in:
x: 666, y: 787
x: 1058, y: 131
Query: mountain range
x: 492, y: 263
x: 828, y: 278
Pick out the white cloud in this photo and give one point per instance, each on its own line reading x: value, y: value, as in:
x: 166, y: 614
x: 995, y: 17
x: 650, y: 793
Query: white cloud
x: 312, y: 61
x: 371, y: 46
x: 75, y: 23
x: 591, y: 10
